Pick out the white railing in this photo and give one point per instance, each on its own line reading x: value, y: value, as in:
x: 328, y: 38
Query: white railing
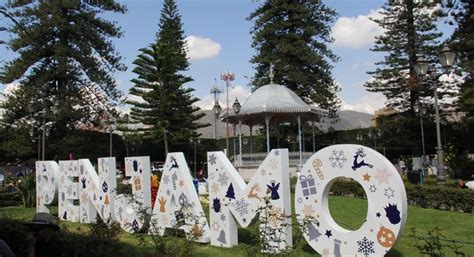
x: 255, y: 159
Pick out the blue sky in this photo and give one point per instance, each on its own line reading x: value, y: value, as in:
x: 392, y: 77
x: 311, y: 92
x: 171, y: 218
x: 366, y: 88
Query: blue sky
x: 219, y: 40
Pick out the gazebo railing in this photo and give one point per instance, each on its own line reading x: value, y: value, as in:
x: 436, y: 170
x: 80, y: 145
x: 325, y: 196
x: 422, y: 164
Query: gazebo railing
x: 255, y: 159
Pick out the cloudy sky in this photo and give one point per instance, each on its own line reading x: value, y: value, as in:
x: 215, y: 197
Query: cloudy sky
x: 218, y: 38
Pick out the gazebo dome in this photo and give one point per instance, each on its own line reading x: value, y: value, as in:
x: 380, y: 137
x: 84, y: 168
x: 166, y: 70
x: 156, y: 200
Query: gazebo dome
x: 273, y: 98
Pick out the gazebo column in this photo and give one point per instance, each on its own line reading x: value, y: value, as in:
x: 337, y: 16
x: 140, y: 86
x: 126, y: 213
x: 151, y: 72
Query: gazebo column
x: 299, y: 139
x: 314, y: 137
x: 267, y: 124
x: 251, y: 141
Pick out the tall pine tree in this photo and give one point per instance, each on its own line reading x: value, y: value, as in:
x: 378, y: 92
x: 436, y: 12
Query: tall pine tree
x: 464, y: 46
x: 410, y: 31
x: 65, y: 61
x: 162, y: 102
x: 294, y: 36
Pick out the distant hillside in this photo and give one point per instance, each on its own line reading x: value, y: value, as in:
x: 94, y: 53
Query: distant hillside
x: 347, y: 120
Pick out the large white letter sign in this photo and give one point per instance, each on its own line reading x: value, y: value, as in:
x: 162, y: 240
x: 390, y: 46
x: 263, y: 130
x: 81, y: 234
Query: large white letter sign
x: 68, y: 191
x: 386, y: 197
x: 177, y: 203
x: 126, y: 207
x: 97, y: 191
x: 46, y: 184
x: 228, y: 194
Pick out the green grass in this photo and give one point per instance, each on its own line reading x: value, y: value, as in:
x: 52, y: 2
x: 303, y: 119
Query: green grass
x: 348, y: 212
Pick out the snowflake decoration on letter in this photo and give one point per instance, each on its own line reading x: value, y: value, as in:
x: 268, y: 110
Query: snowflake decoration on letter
x: 337, y: 158
x: 383, y: 176
x: 389, y: 192
x: 223, y: 179
x: 166, y: 179
x: 214, y: 188
x: 275, y: 217
x: 241, y: 206
x: 365, y: 247
x: 273, y: 163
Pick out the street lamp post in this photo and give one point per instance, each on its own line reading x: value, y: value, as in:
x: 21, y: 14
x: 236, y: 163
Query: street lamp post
x: 422, y: 111
x: 236, y: 107
x: 215, y: 90
x: 227, y: 76
x: 217, y: 111
x: 446, y: 58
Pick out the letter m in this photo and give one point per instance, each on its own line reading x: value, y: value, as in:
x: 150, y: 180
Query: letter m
x: 267, y: 194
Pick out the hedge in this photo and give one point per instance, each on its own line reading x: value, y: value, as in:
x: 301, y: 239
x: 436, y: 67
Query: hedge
x: 426, y: 196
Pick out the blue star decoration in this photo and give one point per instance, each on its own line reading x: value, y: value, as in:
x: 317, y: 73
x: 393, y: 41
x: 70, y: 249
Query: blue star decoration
x: 328, y: 233
x: 212, y: 159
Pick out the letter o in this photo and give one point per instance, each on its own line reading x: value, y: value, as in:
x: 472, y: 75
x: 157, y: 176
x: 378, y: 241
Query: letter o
x: 386, y: 197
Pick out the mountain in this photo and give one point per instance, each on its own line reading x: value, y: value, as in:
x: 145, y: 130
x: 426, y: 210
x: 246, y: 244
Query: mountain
x: 347, y: 120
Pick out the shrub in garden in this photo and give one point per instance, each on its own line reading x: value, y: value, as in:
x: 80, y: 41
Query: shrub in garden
x: 27, y: 188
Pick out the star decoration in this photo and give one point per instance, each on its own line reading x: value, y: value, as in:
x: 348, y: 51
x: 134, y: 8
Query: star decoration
x: 389, y: 192
x: 212, y: 159
x: 181, y: 183
x: 328, y: 233
x: 168, y: 192
x: 300, y: 200
x: 372, y: 188
x: 366, y: 177
x: 378, y: 215
x: 223, y: 217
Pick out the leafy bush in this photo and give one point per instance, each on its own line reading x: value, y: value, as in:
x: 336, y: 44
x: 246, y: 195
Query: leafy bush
x: 10, y: 199
x: 434, y: 244
x: 27, y: 188
x: 13, y: 232
x: 441, y: 197
x: 426, y: 196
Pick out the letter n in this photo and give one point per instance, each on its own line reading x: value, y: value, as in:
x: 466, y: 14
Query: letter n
x: 97, y: 192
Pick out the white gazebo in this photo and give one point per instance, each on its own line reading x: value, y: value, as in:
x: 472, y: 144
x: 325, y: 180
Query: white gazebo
x: 274, y: 103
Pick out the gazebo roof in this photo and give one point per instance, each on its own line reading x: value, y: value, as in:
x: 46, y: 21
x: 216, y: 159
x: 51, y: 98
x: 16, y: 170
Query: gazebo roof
x: 276, y: 101
x: 273, y: 98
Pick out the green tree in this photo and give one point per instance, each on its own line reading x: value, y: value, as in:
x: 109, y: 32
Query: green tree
x: 464, y: 44
x: 65, y: 62
x: 294, y: 37
x: 410, y: 31
x: 162, y: 103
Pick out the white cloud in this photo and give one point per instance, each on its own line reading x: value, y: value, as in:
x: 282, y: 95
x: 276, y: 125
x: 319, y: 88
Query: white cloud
x: 10, y: 88
x: 202, y: 48
x: 369, y: 103
x: 239, y: 92
x: 356, y: 32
